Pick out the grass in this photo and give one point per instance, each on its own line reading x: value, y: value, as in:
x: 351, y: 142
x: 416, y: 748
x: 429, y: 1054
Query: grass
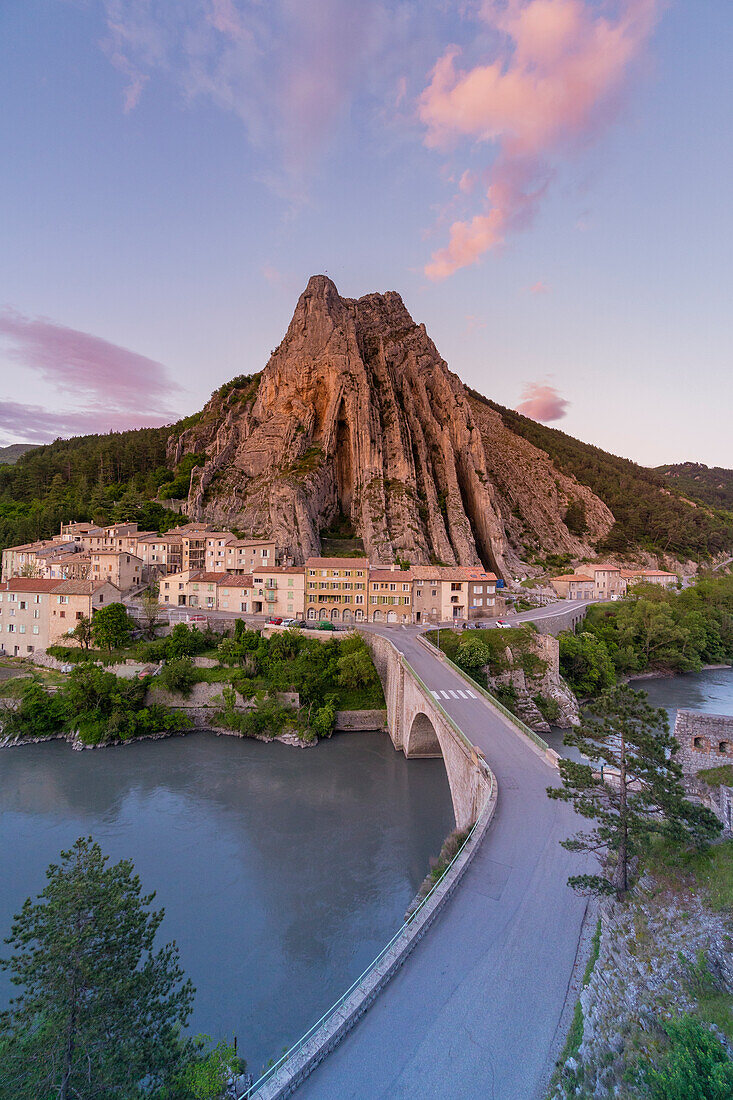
x: 709, y: 873
x: 721, y: 776
x: 13, y: 688
x: 575, y: 1034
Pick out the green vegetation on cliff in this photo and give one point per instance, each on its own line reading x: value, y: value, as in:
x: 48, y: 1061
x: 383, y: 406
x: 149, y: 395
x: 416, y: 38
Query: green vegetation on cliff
x: 649, y: 513
x: 710, y: 484
x: 100, y: 707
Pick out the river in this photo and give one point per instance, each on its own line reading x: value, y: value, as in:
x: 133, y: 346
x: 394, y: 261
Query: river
x: 283, y: 872
x: 709, y: 691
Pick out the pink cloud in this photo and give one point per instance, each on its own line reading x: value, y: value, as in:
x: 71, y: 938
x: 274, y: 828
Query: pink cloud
x: 541, y: 401
x: 111, y: 387
x: 288, y: 70
x: 539, y: 288
x: 473, y: 323
x: 34, y: 424
x: 86, y: 366
x: 554, y: 84
x: 226, y: 19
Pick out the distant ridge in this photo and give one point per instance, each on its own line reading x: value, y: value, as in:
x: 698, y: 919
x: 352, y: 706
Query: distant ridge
x: 9, y: 455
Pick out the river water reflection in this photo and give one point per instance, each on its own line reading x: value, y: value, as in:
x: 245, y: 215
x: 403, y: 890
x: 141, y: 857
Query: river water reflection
x: 282, y: 871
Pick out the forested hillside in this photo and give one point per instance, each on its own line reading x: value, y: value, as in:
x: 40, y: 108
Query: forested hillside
x: 711, y: 484
x: 106, y: 478
x: 649, y: 511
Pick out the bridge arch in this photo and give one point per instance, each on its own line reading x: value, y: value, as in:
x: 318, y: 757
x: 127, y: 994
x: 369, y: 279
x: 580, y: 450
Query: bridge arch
x: 422, y: 737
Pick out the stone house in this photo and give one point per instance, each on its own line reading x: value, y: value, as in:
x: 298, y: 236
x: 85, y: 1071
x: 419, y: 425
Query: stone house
x: 390, y: 595
x: 70, y: 601
x: 245, y: 555
x: 648, y: 576
x: 25, y: 614
x: 279, y: 591
x: 574, y: 586
x: 160, y: 554
x: 336, y: 589
x: 444, y: 593
x: 124, y: 570
x: 706, y: 740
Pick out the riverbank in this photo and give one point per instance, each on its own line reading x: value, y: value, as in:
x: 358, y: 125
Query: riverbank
x: 666, y: 673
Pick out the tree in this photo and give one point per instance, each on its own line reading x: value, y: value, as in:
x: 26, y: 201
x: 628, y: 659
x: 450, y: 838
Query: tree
x: 111, y: 627
x: 178, y: 675
x: 355, y: 666
x: 472, y: 654
x: 639, y: 795
x: 37, y: 714
x: 82, y: 632
x: 585, y: 663
x: 100, y: 1011
x: 150, y: 610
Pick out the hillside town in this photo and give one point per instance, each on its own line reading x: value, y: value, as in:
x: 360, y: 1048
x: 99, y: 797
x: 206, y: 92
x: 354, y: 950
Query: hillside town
x: 50, y: 585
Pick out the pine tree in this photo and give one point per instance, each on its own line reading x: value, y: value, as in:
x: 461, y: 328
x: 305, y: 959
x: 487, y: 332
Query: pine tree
x: 100, y: 1011
x: 636, y: 791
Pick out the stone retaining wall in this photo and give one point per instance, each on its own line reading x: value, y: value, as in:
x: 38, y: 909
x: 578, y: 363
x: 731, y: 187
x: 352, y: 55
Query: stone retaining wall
x: 358, y: 721
x: 706, y: 740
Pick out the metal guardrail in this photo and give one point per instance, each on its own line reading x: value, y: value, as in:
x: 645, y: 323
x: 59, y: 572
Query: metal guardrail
x: 270, y: 1072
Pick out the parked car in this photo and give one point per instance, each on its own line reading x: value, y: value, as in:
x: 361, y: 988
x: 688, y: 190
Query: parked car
x: 273, y: 622
x: 290, y: 622
x: 324, y: 625
x: 504, y: 624
x: 301, y: 623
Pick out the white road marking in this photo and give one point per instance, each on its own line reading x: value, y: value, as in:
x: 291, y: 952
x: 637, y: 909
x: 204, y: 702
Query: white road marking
x: 470, y: 694
x: 453, y: 694
x: 435, y: 694
x: 444, y: 694
x: 462, y: 694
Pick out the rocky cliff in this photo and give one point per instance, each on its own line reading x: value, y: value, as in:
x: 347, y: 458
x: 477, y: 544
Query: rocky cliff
x: 357, y: 414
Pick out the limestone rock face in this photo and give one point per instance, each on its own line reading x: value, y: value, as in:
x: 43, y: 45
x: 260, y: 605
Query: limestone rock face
x: 356, y: 413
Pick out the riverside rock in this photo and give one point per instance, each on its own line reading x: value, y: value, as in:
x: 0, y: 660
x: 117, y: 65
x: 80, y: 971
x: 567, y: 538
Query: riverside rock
x: 357, y: 415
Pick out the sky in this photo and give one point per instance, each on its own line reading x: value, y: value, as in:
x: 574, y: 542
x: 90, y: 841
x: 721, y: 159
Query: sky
x: 546, y: 183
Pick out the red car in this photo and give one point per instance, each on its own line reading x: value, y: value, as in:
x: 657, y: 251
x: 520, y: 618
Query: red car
x: 274, y: 622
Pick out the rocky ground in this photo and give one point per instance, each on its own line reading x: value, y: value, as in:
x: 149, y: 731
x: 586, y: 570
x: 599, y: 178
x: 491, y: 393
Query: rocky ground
x: 665, y: 952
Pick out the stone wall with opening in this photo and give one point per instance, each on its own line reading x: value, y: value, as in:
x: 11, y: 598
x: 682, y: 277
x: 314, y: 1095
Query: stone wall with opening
x: 706, y: 740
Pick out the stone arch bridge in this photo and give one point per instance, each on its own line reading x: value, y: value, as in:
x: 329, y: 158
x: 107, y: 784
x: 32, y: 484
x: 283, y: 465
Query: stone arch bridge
x: 419, y: 725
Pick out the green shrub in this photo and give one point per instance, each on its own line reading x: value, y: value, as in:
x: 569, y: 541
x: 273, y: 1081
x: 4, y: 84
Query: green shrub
x: 178, y: 676
x: 693, y: 1066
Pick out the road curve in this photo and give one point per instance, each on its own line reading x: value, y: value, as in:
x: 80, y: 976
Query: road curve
x: 474, y: 1011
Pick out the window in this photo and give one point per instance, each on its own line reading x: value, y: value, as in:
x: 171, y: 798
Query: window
x: 35, y: 629
x: 696, y: 741
x: 723, y: 747
x: 478, y: 588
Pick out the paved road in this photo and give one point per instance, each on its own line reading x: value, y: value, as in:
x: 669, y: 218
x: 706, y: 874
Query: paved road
x: 473, y: 1013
